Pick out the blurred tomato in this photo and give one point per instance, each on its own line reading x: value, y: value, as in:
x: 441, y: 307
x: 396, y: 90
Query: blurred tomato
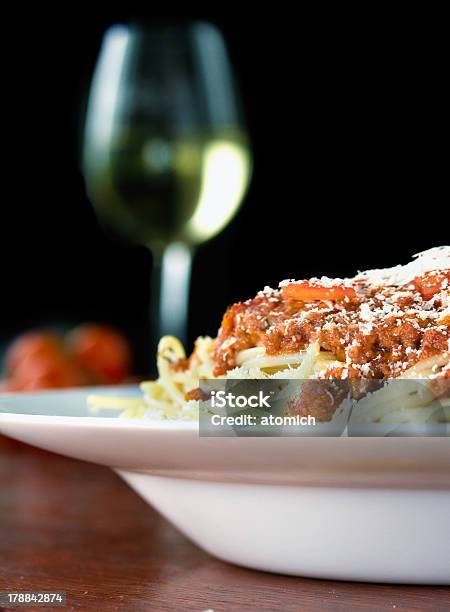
x: 37, y: 360
x: 36, y: 344
x: 102, y: 351
x: 45, y: 371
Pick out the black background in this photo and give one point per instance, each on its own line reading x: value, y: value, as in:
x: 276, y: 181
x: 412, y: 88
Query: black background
x: 348, y: 121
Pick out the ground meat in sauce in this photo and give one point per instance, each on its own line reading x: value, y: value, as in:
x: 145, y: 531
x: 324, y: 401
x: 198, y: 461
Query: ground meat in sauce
x: 378, y: 335
x: 319, y: 398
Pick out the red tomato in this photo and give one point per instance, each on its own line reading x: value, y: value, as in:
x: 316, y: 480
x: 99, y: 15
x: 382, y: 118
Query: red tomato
x: 430, y: 283
x: 46, y: 344
x: 102, y: 351
x: 40, y: 371
x: 37, y: 360
x: 307, y: 291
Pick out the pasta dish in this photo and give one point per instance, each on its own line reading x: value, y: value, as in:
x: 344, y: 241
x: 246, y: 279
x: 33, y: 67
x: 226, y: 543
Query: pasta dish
x: 380, y: 326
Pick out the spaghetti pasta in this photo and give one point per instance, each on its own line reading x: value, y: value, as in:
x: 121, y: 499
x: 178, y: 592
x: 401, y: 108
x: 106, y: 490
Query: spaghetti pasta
x: 383, y: 325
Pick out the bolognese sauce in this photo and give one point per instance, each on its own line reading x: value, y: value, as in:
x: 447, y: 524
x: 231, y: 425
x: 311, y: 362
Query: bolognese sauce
x: 373, y: 330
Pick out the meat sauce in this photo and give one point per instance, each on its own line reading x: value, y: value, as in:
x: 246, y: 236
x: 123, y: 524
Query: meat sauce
x: 376, y: 332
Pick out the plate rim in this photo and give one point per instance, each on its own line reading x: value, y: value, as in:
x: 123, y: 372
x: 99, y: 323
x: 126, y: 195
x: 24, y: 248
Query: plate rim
x: 114, y: 422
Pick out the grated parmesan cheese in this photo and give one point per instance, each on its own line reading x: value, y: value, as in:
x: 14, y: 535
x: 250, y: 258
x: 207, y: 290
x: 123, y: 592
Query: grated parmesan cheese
x: 434, y: 259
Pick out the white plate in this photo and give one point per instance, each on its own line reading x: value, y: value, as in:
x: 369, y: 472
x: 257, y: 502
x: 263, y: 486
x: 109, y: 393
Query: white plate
x: 375, y: 509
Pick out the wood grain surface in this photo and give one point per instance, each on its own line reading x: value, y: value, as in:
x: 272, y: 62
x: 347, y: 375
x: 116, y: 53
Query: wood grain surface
x: 76, y: 527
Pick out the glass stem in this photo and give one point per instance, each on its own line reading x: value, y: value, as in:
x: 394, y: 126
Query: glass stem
x: 170, y: 292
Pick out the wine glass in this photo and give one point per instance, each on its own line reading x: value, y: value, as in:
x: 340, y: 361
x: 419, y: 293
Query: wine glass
x: 166, y: 157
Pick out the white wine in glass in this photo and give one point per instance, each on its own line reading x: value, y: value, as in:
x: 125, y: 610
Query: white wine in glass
x: 166, y: 156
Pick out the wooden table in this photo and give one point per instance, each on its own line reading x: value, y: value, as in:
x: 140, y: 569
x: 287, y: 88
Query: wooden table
x: 76, y: 527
